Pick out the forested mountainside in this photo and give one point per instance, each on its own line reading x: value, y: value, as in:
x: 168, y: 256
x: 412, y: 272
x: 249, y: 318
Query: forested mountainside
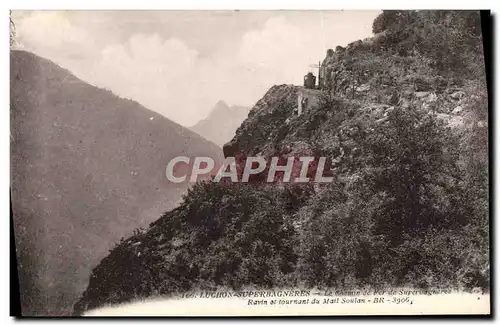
x: 403, y: 120
x: 87, y: 168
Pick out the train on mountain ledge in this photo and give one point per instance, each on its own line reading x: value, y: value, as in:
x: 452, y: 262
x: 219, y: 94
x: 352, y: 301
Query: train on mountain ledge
x: 308, y: 95
x: 310, y: 81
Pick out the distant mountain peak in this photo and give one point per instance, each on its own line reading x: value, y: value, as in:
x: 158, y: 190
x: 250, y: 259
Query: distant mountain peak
x: 221, y: 104
x: 221, y: 124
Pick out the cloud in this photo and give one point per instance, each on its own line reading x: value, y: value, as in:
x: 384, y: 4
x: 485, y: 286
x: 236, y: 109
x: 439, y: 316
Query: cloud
x: 50, y: 32
x: 280, y: 52
x: 166, y: 75
x: 153, y: 71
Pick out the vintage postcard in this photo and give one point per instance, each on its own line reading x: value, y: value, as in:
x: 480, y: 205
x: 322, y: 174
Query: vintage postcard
x: 250, y: 163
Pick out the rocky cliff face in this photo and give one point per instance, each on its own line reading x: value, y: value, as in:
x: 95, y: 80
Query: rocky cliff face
x: 397, y: 130
x: 395, y: 68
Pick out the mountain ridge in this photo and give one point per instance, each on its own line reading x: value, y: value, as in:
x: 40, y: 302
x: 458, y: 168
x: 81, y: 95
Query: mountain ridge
x: 87, y: 168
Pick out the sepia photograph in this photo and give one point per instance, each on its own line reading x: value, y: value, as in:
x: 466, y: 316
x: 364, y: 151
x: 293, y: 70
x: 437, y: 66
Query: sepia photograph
x: 250, y: 162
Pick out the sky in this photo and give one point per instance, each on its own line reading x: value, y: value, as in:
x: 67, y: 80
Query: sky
x: 180, y: 63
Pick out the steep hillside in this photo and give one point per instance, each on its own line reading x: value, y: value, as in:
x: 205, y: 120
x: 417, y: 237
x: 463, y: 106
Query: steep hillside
x: 405, y: 130
x: 222, y: 123
x: 87, y: 168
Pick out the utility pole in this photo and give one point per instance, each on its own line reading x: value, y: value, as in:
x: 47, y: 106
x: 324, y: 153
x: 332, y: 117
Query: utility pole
x: 319, y: 75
